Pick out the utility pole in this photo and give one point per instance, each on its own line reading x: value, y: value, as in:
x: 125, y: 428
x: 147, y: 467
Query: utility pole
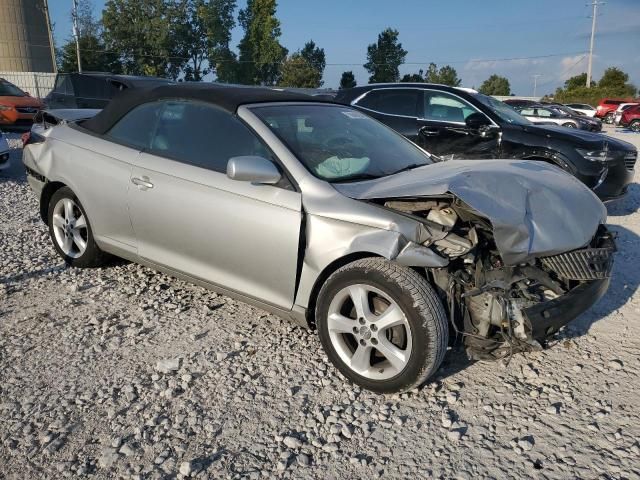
x: 53, y: 49
x: 535, y: 83
x: 594, y: 5
x: 76, y: 34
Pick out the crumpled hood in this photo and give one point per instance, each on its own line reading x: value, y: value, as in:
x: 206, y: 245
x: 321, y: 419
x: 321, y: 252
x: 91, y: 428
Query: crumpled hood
x: 536, y: 209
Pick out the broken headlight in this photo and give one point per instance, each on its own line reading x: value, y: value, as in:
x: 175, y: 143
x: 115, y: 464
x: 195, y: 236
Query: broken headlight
x: 602, y: 156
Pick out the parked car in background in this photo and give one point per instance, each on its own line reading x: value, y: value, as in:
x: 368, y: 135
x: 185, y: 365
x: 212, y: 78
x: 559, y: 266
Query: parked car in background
x: 518, y: 102
x: 17, y: 107
x: 587, y: 123
x: 631, y: 118
x: 5, y: 151
x: 318, y: 213
x: 559, y: 115
x: 548, y: 115
x: 617, y: 116
x: 582, y: 108
x: 452, y: 123
x: 93, y: 89
x: 607, y: 107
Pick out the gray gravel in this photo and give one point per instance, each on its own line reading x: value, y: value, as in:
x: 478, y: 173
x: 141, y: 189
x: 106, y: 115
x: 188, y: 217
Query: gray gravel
x: 122, y: 372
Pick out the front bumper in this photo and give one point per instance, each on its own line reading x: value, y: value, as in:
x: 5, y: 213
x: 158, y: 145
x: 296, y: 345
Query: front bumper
x: 591, y: 266
x: 619, y: 175
x: 548, y: 317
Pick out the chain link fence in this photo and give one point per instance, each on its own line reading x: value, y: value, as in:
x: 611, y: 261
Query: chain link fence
x: 38, y: 84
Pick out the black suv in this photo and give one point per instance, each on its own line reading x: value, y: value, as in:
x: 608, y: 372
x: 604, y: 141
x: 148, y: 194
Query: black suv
x: 93, y: 89
x: 457, y: 123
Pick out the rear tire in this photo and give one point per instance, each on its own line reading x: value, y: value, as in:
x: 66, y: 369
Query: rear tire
x: 391, y: 341
x: 70, y: 231
x: 608, y: 118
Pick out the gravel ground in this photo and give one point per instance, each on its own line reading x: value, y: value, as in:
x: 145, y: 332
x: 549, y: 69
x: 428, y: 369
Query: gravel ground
x: 122, y: 372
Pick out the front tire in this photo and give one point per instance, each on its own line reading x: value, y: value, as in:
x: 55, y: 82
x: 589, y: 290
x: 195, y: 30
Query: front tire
x: 71, y: 232
x: 608, y: 118
x: 382, y: 325
x: 569, y: 125
x: 635, y: 126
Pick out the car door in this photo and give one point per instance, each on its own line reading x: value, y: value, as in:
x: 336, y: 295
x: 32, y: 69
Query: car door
x: 443, y: 131
x: 190, y: 217
x: 395, y: 107
x: 102, y: 172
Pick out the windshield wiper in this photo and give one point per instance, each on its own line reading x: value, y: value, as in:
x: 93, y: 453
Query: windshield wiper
x: 409, y: 167
x: 355, y: 177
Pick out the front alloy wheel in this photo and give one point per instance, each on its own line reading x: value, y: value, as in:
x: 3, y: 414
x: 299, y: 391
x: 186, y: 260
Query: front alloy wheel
x: 382, y: 325
x: 369, y: 332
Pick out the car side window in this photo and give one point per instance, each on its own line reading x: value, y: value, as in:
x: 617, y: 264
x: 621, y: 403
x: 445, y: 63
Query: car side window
x: 543, y: 112
x: 203, y: 135
x: 392, y: 101
x: 136, y: 127
x: 444, y: 107
x: 527, y: 111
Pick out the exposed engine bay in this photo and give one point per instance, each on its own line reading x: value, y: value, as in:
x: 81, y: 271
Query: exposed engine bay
x: 500, y: 309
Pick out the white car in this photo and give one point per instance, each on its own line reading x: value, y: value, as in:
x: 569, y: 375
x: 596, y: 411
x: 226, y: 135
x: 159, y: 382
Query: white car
x: 617, y: 115
x: 5, y: 152
x: 582, y: 108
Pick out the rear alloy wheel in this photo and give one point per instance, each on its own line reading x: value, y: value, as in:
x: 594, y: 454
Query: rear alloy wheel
x: 635, y: 126
x: 70, y: 231
x: 608, y: 118
x: 382, y: 325
x: 569, y: 125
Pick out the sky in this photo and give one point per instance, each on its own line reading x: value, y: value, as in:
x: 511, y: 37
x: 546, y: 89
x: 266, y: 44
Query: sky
x: 514, y: 38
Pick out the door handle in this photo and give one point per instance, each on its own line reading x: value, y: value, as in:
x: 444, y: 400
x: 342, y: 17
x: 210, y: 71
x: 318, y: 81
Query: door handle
x: 429, y: 132
x: 142, y: 183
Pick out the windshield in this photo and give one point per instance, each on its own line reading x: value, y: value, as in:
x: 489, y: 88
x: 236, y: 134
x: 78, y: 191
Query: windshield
x: 506, y: 112
x: 10, y: 90
x: 340, y: 144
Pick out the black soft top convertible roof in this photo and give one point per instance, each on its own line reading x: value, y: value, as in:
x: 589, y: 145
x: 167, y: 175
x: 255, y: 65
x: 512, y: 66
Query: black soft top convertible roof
x: 226, y: 97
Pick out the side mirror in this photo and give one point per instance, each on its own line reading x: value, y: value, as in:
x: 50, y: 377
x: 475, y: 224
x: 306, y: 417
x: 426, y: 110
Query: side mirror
x: 254, y: 169
x: 476, y: 121
x: 27, y: 94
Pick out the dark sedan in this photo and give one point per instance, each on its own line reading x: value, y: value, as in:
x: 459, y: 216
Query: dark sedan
x: 456, y: 123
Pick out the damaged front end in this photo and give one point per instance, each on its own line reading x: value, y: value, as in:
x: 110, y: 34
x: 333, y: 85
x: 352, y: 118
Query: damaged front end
x: 499, y: 309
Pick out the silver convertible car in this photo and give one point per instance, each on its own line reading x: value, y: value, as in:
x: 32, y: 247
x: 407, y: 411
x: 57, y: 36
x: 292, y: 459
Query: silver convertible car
x: 322, y: 215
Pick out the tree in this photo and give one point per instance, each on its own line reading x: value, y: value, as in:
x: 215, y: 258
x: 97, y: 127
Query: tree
x: 413, y: 77
x: 348, y: 80
x: 615, y: 79
x: 260, y: 51
x: 495, y: 85
x: 141, y: 32
x: 577, y: 81
x: 446, y: 75
x: 613, y: 84
x: 94, y: 56
x: 201, y: 30
x: 315, y: 57
x: 298, y: 72
x: 385, y: 57
x: 219, y: 21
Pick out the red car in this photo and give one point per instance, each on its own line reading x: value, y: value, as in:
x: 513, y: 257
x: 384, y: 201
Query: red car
x: 607, y: 107
x: 631, y: 118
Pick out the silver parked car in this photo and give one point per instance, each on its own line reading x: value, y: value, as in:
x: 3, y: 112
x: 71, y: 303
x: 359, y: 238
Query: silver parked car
x: 320, y: 214
x: 546, y: 116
